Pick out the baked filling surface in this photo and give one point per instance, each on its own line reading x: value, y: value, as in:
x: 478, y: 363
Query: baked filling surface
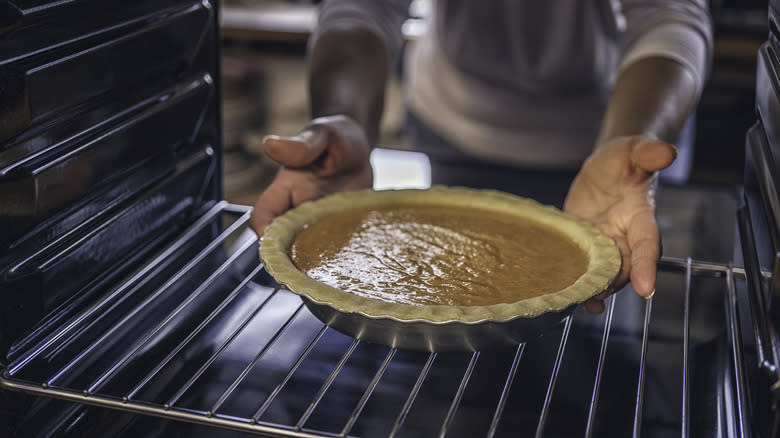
x: 419, y: 255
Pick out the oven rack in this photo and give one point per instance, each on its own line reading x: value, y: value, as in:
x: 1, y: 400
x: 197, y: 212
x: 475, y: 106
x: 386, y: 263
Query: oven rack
x: 201, y: 334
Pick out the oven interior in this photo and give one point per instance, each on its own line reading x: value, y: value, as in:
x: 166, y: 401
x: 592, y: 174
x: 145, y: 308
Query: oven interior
x: 134, y: 302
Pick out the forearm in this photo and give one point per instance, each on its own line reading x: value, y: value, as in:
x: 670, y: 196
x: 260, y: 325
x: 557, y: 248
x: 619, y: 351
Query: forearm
x: 348, y: 70
x: 653, y: 96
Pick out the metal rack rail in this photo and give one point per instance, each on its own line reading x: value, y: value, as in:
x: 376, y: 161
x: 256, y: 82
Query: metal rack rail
x: 210, y: 339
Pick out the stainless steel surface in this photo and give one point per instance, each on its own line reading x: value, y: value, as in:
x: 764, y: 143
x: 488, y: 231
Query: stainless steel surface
x: 756, y: 306
x: 236, y: 352
x: 505, y: 392
x: 553, y: 378
x: 767, y: 355
x: 600, y: 369
x: 639, y: 401
x: 756, y: 341
x: 735, y: 336
x: 686, y: 386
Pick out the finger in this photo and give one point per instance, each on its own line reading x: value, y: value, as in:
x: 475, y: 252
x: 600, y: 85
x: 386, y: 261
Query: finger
x: 275, y: 200
x: 653, y: 155
x: 645, y: 243
x: 625, y: 256
x: 298, y: 151
x: 593, y: 305
x: 607, y: 292
x: 347, y: 146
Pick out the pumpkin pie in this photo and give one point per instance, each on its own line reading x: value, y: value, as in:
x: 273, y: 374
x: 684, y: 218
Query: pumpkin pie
x: 438, y: 255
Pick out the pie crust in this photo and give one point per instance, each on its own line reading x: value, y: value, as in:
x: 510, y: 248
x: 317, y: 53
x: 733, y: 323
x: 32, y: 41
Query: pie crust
x: 603, y: 257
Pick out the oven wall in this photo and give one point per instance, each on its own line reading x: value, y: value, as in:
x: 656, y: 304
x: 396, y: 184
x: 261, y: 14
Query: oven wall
x: 759, y: 234
x: 109, y: 145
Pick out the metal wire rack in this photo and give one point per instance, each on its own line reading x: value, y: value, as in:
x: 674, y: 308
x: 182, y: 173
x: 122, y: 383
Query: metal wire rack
x: 201, y: 334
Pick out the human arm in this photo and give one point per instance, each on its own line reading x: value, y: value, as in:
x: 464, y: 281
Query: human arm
x: 615, y: 188
x: 349, y: 61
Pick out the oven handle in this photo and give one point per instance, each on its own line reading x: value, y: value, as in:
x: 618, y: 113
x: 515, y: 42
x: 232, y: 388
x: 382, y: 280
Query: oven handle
x: 766, y: 357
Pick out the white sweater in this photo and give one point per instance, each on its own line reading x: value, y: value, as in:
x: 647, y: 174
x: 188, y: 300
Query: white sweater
x: 526, y: 82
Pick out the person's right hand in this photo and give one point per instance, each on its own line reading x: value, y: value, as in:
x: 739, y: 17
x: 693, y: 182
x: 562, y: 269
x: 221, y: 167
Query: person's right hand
x: 330, y: 155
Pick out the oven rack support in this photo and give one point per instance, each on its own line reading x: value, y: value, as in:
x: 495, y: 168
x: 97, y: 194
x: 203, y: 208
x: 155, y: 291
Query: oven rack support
x: 63, y: 361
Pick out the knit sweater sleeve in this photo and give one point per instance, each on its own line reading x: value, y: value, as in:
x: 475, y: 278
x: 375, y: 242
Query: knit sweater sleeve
x: 680, y: 30
x: 384, y: 17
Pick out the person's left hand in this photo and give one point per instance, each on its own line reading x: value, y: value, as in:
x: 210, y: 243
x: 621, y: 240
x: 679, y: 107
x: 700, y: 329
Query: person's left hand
x: 615, y: 190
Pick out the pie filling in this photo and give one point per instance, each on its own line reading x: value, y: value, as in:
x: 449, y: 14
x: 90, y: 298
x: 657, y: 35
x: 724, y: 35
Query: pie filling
x: 420, y: 255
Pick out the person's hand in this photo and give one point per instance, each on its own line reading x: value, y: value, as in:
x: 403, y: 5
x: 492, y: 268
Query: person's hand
x: 330, y: 155
x: 615, y: 190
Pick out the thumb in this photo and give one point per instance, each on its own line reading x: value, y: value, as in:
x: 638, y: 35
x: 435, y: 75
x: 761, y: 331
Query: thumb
x: 652, y: 155
x: 297, y: 151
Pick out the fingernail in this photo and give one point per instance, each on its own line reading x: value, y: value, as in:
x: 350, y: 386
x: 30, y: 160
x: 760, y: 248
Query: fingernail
x: 270, y: 137
x: 651, y: 295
